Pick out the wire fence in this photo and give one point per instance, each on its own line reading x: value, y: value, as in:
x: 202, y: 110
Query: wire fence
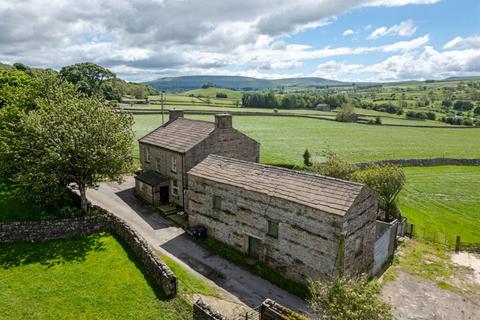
x: 449, y: 240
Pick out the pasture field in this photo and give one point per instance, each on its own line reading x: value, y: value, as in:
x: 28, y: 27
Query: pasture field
x: 443, y: 199
x: 284, y: 139
x: 90, y: 277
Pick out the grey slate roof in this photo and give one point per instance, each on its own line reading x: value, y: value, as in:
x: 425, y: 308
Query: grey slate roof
x: 179, y: 135
x: 152, y: 178
x: 319, y: 192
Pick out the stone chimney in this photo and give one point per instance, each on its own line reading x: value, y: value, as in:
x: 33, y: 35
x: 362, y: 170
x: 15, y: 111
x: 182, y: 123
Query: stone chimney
x: 223, y: 121
x: 175, y: 114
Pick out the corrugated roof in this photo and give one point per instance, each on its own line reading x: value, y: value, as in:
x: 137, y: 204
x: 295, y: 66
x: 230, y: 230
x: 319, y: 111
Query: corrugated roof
x: 179, y: 135
x: 323, y: 193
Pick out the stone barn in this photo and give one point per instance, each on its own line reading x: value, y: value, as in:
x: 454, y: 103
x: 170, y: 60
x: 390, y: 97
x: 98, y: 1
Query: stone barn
x: 300, y: 224
x: 168, y: 152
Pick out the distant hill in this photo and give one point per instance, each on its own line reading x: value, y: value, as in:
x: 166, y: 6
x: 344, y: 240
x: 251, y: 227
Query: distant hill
x: 470, y: 78
x: 240, y: 83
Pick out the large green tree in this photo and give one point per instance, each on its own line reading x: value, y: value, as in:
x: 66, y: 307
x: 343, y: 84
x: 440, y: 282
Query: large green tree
x: 71, y: 140
x: 89, y: 78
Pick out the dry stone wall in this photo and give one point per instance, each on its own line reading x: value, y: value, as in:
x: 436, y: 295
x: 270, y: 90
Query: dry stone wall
x: 428, y: 162
x: 202, y: 311
x: 35, y: 231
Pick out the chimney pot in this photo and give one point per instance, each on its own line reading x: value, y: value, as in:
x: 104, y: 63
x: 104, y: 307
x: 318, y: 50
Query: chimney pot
x: 223, y: 121
x: 175, y: 114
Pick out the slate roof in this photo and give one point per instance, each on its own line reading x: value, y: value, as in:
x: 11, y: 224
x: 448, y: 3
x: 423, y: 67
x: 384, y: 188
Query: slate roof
x: 179, y: 135
x: 319, y: 192
x: 153, y: 178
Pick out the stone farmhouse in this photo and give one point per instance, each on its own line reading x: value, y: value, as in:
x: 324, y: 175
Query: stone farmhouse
x: 299, y: 224
x: 170, y: 151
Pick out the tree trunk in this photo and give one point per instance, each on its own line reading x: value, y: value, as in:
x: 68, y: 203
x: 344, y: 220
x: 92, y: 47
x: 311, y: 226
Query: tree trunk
x: 83, y: 199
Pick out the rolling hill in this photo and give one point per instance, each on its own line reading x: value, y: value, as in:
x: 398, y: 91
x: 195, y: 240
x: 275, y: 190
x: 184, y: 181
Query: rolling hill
x: 239, y: 83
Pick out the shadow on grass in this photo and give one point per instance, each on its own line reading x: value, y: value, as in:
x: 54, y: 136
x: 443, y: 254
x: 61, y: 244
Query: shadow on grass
x: 50, y: 253
x: 159, y: 293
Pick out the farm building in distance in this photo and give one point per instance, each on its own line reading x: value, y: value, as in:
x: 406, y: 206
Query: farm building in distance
x: 322, y: 107
x: 168, y: 152
x: 300, y: 224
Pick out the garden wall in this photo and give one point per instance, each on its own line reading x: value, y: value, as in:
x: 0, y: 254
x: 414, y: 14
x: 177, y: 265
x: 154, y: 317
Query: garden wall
x: 33, y: 231
x: 429, y: 162
x: 202, y: 311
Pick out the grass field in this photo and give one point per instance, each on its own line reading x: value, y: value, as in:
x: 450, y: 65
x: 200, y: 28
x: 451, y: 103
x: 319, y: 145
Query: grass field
x: 91, y: 277
x: 444, y: 199
x: 283, y: 140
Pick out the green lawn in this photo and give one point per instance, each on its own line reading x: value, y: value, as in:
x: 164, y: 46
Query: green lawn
x: 91, y: 277
x: 12, y: 209
x: 284, y: 139
x: 445, y: 199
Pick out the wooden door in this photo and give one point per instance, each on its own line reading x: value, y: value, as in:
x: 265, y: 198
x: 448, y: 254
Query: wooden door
x: 164, y: 192
x: 254, y: 247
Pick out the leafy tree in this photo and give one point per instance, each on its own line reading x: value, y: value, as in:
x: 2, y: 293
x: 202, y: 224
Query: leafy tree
x: 335, y: 166
x: 139, y: 92
x: 346, y: 113
x: 348, y: 299
x: 70, y: 139
x: 387, y: 180
x: 378, y: 120
x: 306, y: 158
x: 87, y: 77
x: 463, y: 105
x: 476, y: 111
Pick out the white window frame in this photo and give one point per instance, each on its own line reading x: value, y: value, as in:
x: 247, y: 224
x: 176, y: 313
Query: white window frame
x: 175, y: 188
x: 147, y: 155
x: 157, y: 165
x: 174, y: 164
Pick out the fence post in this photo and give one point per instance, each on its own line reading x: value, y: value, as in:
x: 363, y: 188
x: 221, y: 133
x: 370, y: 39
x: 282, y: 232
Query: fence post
x: 412, y: 231
x: 457, y: 244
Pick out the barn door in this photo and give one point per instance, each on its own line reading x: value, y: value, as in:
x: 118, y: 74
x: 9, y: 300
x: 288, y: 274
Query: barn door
x: 254, y: 247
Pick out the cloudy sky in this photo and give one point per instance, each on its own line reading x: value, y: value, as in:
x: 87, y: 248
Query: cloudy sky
x: 352, y: 40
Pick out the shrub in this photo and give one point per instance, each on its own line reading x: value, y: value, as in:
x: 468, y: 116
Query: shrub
x: 463, y: 105
x: 221, y: 95
x: 306, y: 158
x: 346, y: 114
x: 385, y: 179
x: 348, y: 299
x: 335, y: 167
x: 378, y: 120
x: 431, y: 115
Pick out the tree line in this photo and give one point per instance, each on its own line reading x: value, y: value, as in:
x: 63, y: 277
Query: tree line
x: 291, y: 100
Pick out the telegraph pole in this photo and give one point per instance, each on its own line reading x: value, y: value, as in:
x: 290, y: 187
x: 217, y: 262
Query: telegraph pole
x: 161, y: 101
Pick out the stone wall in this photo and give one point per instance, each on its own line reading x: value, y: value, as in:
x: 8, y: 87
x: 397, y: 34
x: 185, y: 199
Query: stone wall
x: 359, y: 229
x: 33, y: 231
x: 428, y: 162
x: 202, y: 311
x: 308, y: 243
x: 163, y: 158
x: 44, y: 230
x: 270, y: 310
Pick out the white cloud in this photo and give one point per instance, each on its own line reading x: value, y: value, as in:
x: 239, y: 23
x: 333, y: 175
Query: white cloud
x: 463, y: 43
x: 348, y: 32
x: 427, y: 64
x: 405, y: 28
x: 171, y: 36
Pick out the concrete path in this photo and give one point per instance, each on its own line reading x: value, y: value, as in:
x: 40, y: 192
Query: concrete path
x: 238, y: 284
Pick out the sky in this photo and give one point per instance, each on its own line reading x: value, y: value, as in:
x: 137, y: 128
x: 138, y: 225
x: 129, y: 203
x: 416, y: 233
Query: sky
x: 349, y: 40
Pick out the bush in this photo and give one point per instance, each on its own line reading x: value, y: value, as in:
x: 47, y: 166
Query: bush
x: 346, y: 114
x: 378, y: 120
x: 348, y: 299
x: 463, y: 105
x: 387, y: 180
x: 335, y: 167
x: 431, y: 115
x: 221, y: 95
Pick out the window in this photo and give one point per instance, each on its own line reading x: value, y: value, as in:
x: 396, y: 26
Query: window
x: 175, y: 187
x: 272, y: 229
x: 174, y: 164
x: 217, y: 202
x: 147, y: 155
x: 157, y: 165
